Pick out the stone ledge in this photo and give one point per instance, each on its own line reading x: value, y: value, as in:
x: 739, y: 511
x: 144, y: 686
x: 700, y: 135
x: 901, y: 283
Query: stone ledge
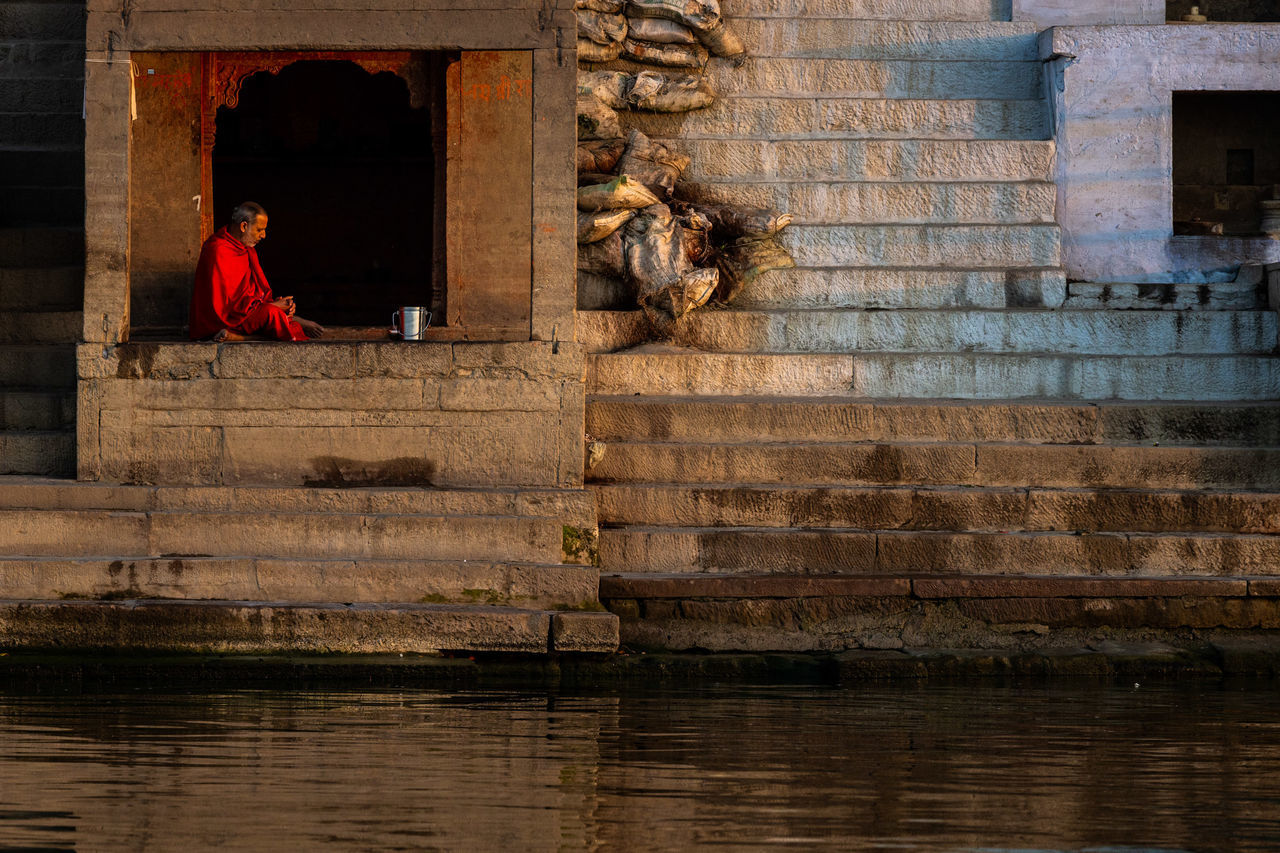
x: 274, y: 627
x: 750, y: 586
x: 928, y: 587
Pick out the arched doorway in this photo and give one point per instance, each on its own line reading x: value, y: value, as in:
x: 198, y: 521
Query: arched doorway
x: 343, y: 162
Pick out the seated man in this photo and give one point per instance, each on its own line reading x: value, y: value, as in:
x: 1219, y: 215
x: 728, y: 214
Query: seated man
x: 231, y: 292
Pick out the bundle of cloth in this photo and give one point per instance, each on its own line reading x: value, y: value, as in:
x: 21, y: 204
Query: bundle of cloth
x: 640, y: 226
x: 674, y: 33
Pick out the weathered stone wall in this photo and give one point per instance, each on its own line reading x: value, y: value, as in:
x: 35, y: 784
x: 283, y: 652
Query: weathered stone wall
x: 333, y: 414
x: 1112, y: 93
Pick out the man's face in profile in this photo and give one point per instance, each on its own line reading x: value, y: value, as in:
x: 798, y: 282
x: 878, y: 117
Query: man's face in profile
x: 252, y: 234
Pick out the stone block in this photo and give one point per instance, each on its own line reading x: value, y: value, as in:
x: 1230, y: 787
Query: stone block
x: 473, y: 394
x: 275, y: 360
x: 57, y: 533
x: 531, y: 360
x: 256, y: 627
x: 413, y: 360
x: 1073, y: 587
x: 719, y: 374
x: 1000, y: 553
x: 1153, y: 511
x: 584, y: 632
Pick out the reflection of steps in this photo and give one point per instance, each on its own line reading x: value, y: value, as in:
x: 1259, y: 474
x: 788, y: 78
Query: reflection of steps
x: 484, y: 568
x: 41, y: 233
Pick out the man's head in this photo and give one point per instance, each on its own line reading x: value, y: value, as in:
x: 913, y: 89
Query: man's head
x: 249, y: 223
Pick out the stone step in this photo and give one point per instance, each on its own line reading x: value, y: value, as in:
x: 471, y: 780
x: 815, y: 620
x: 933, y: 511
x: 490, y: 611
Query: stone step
x: 36, y: 20
x: 41, y: 327
x: 906, y: 553
x: 923, y: 245
x: 325, y: 535
x: 939, y: 464
x: 65, y: 128
x: 1137, y: 333
x: 37, y: 366
x: 47, y: 167
x: 995, y: 509
x: 43, y: 205
x: 902, y: 288
x: 37, y: 493
x: 40, y: 95
x: 41, y: 246
x: 852, y: 38
x: 938, y: 508
x: 841, y: 203
x: 817, y: 419
x: 1124, y: 296
x: 279, y: 627
x: 527, y: 585
x: 669, y: 370
x: 37, y: 410
x: 896, y: 624
x: 877, y: 78
x: 890, y: 10
x: 43, y: 58
x: 49, y: 453
x: 41, y: 288
x: 814, y: 119
x: 747, y: 160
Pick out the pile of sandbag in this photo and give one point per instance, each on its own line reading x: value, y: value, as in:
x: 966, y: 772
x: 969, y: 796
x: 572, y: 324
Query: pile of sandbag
x: 674, y: 254
x: 674, y: 33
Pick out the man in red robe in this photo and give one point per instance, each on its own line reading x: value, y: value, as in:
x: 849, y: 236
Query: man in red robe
x: 231, y: 292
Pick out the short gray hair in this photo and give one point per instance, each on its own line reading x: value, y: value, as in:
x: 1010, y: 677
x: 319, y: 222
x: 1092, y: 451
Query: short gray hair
x: 248, y: 212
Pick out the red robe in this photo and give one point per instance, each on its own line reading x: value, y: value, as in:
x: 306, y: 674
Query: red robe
x: 231, y: 292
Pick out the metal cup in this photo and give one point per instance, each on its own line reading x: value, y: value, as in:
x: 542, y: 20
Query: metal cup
x: 411, y: 322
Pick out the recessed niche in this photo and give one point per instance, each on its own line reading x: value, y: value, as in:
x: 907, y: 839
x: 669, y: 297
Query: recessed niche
x: 1225, y: 160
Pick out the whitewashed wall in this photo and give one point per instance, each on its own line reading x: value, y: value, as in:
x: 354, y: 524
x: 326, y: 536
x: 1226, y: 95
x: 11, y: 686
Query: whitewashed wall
x: 1111, y: 92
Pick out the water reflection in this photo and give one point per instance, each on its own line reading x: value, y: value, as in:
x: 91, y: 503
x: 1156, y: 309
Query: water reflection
x: 917, y: 767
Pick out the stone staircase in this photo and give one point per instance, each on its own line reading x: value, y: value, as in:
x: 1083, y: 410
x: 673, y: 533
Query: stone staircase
x: 41, y: 233
x: 295, y: 569
x: 924, y: 394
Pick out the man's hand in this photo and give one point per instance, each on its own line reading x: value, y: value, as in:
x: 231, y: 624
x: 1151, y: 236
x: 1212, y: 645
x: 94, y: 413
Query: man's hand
x: 312, y: 328
x: 285, y: 304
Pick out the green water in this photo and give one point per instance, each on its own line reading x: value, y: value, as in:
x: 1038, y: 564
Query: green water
x: 915, y: 767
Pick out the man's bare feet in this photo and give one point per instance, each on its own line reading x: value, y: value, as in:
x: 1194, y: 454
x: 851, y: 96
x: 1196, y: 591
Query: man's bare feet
x: 310, y: 327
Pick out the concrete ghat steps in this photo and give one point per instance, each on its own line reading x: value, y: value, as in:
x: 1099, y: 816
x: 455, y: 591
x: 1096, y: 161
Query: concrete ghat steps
x: 282, y: 627
x: 888, y: 203
x: 998, y: 614
x: 48, y: 452
x: 796, y: 551
x: 930, y: 244
x: 852, y: 118
x: 852, y: 38
x: 41, y: 288
x: 670, y: 371
x: 990, y: 509
x: 486, y: 582
x: 940, y: 464
x: 876, y: 78
x: 747, y: 160
x: 60, y: 532
x: 37, y: 365
x: 1132, y: 333
x: 37, y: 409
x: 890, y: 10
x: 834, y: 419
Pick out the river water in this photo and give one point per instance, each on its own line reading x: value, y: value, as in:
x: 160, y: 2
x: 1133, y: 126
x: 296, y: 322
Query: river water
x: 886, y: 767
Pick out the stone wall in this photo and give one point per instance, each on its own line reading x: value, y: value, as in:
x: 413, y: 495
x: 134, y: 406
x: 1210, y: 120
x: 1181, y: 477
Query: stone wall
x: 333, y: 414
x: 1112, y: 94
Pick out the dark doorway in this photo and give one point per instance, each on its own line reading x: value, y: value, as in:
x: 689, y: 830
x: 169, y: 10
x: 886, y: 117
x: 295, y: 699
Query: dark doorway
x: 1225, y: 160
x: 343, y: 164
